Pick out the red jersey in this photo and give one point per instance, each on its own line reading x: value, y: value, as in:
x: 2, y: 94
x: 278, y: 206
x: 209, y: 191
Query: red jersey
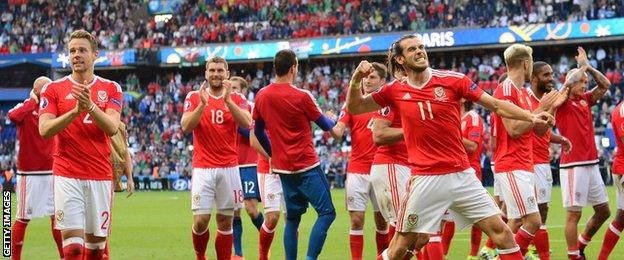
x: 512, y: 153
x: 363, y: 148
x: 430, y: 117
x: 394, y: 153
x: 575, y: 122
x: 247, y: 156
x: 287, y: 112
x: 263, y: 165
x: 35, y: 153
x: 472, y: 129
x: 617, y: 121
x: 215, y: 137
x: 82, y: 149
x: 541, y: 154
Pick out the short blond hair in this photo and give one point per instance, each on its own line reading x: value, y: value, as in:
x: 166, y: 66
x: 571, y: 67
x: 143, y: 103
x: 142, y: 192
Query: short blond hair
x: 516, y: 54
x: 242, y: 81
x: 82, y: 34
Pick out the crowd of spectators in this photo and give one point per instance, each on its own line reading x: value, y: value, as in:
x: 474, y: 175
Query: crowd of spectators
x: 162, y: 151
x: 42, y: 26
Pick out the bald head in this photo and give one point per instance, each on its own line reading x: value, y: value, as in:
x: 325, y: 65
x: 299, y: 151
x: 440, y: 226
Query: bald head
x: 39, y: 83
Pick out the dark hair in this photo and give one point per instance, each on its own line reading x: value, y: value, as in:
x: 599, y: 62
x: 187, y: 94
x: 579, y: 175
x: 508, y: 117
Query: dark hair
x: 82, y: 34
x: 468, y: 105
x: 537, y: 66
x: 381, y: 69
x: 217, y: 59
x: 283, y: 61
x: 242, y: 81
x: 396, y: 50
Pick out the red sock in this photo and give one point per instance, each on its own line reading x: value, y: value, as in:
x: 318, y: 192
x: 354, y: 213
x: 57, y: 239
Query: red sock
x: 612, y: 235
x: 489, y: 243
x: 74, y: 251
x: 266, y: 238
x: 523, y: 238
x: 93, y: 254
x: 582, y: 241
x: 573, y: 253
x: 391, y: 232
x: 434, y: 248
x: 448, y: 231
x: 475, y: 240
x: 356, y: 243
x: 200, y: 242
x: 381, y: 239
x: 58, y: 238
x: 510, y: 254
x: 421, y: 255
x: 18, y: 233
x: 541, y: 243
x: 223, y: 244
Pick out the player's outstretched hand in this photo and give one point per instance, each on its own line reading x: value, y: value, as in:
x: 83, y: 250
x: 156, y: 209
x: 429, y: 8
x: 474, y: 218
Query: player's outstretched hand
x: 130, y: 185
x: 203, y: 93
x: 561, y: 97
x: 566, y: 145
x: 362, y: 70
x: 581, y: 58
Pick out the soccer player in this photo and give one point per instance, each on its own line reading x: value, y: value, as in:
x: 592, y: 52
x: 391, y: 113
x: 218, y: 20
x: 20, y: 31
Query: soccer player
x: 441, y: 175
x: 542, y: 82
x: 581, y: 183
x: 212, y: 114
x: 247, y: 164
x: 514, y: 155
x: 359, y: 188
x: 34, y: 186
x: 286, y: 111
x: 612, y: 234
x: 82, y: 112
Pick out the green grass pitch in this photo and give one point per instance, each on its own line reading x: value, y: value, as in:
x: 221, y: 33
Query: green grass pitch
x: 157, y: 225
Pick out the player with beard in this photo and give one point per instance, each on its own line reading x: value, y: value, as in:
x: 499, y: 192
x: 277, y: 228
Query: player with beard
x: 442, y: 178
x: 542, y: 82
x: 213, y: 115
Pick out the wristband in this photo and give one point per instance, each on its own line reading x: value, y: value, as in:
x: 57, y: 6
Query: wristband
x: 92, y: 107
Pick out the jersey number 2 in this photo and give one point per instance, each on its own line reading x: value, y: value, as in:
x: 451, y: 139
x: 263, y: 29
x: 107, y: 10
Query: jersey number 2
x: 87, y: 119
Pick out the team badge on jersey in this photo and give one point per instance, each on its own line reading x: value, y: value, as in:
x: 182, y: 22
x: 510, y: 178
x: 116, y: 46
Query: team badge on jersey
x: 187, y: 105
x: 439, y: 94
x: 531, y: 200
x: 102, y: 96
x: 271, y: 196
x: 44, y: 103
x: 583, y: 103
x: 412, y: 219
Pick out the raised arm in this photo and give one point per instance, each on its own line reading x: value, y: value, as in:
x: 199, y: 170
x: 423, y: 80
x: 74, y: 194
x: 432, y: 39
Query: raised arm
x: 190, y: 118
x: 509, y: 110
x: 602, y: 82
x: 21, y: 110
x: 357, y: 103
x: 241, y: 116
